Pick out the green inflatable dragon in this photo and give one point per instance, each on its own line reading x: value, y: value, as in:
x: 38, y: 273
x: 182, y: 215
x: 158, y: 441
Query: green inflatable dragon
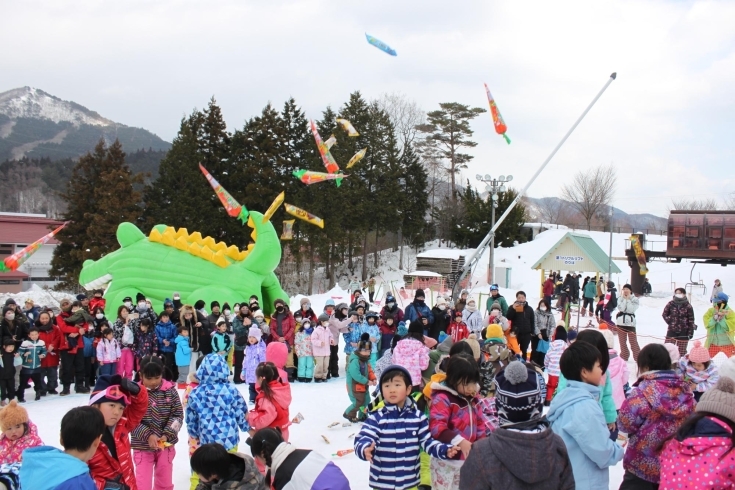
x: 171, y: 260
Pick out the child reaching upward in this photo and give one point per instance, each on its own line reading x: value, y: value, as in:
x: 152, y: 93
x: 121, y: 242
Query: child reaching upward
x: 18, y: 433
x: 271, y: 404
x: 699, y: 370
x: 392, y: 436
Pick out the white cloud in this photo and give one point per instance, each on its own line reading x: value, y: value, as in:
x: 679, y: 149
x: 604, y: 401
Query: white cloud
x: 666, y: 122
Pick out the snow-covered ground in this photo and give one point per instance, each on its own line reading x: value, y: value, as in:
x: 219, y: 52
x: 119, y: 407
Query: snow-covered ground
x: 322, y: 404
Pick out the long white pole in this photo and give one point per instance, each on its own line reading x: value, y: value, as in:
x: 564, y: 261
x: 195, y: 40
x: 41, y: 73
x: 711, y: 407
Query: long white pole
x: 469, y: 263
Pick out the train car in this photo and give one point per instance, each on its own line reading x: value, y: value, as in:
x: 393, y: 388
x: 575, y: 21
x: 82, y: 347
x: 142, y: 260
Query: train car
x: 708, y: 235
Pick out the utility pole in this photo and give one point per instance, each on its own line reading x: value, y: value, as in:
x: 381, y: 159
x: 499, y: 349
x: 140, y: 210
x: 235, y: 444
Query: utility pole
x: 609, y: 257
x: 493, y: 187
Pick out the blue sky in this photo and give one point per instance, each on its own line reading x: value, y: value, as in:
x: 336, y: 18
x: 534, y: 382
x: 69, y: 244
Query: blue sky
x: 666, y: 124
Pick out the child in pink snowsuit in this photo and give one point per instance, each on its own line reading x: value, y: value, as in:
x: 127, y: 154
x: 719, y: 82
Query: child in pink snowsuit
x: 18, y: 433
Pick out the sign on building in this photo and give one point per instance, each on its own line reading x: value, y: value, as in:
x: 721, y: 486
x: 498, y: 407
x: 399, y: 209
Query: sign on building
x: 570, y: 259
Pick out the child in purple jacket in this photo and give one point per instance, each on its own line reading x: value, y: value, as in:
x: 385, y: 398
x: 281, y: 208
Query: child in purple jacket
x: 659, y: 402
x: 254, y: 354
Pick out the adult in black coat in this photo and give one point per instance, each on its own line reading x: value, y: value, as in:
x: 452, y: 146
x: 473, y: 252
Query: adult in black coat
x: 523, y: 321
x: 441, y: 318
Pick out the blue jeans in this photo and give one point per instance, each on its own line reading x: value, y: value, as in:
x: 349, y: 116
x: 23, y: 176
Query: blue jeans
x: 108, y: 369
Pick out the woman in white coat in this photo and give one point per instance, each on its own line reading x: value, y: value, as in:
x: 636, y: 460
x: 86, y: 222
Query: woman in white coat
x: 625, y: 321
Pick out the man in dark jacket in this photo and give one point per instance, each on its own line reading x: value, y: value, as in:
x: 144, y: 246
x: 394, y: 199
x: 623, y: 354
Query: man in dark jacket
x: 418, y: 309
x: 679, y: 316
x: 391, y: 307
x: 522, y: 319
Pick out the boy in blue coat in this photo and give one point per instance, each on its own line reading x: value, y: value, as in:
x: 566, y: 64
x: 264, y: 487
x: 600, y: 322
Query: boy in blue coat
x: 575, y: 415
x: 166, y: 335
x: 392, y: 436
x: 48, y: 468
x: 183, y: 356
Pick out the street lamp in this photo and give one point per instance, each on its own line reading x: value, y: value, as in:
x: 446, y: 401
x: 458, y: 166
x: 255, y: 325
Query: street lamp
x: 493, y: 187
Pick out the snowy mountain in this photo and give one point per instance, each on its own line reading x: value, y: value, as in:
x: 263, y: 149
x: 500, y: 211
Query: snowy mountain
x: 36, y: 124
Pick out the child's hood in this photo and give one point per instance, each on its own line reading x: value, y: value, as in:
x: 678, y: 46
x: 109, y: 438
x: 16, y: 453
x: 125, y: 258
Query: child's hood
x: 277, y: 352
x: 575, y: 392
x: 616, y: 366
x: 281, y: 393
x: 213, y: 369
x: 408, y: 347
x: 31, y: 434
x: 533, y: 437
x: 665, y: 390
x: 46, y: 467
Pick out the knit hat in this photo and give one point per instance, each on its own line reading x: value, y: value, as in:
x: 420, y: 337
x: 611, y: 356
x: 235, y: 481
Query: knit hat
x: 415, y: 327
x: 255, y: 332
x: 571, y: 335
x: 674, y: 353
x: 518, y: 394
x: 167, y: 302
x: 213, y: 304
x: 226, y: 306
x: 628, y: 286
x: 719, y: 400
x: 138, y: 298
x: 699, y: 353
x: 329, y: 302
x: 402, y: 330
x: 221, y: 321
x: 12, y: 415
x: 258, y: 314
x: 474, y: 344
x: 496, y: 306
x: 389, y: 298
x: 304, y: 301
x: 727, y: 369
x: 392, y: 367
x: 441, y: 301
x: 419, y: 294
x: 323, y: 318
x: 445, y: 345
x: 199, y: 304
x: 82, y: 296
x: 608, y: 338
x: 103, y: 383
x: 494, y: 331
x: 560, y: 333
x: 9, y: 301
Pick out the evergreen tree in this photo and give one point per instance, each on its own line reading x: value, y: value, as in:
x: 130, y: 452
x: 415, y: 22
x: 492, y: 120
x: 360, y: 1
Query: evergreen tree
x: 413, y: 212
x: 99, y: 197
x: 447, y: 131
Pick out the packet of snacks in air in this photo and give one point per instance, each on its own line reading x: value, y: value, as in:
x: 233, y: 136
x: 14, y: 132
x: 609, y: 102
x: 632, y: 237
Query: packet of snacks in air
x: 297, y: 419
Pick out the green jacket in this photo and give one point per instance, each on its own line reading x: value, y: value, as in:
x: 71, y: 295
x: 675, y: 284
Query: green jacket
x: 590, y: 290
x: 354, y: 376
x: 30, y: 353
x: 606, y: 398
x: 721, y: 330
x: 501, y: 300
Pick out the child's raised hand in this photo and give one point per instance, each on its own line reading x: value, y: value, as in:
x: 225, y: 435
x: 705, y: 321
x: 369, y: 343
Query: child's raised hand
x: 369, y: 452
x: 452, y: 451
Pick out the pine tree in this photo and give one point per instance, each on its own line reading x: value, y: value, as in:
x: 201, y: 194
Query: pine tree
x: 413, y: 212
x: 447, y: 131
x: 99, y: 197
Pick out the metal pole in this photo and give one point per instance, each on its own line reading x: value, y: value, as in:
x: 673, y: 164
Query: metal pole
x: 473, y: 258
x: 491, y: 274
x: 609, y: 258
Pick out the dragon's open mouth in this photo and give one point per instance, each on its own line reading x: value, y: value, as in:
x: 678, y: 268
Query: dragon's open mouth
x: 99, y: 283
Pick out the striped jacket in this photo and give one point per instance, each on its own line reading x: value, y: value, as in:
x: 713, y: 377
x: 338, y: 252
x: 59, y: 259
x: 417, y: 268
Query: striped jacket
x: 398, y: 435
x: 163, y: 417
x: 553, y: 356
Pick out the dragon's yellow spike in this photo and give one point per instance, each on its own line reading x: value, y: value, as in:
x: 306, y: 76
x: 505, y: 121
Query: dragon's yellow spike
x: 207, y: 253
x: 181, y: 243
x: 155, y: 236
x: 220, y: 259
x: 220, y: 246
x: 195, y: 249
x: 251, y: 223
x: 232, y: 252
x: 242, y: 255
x: 171, y: 229
x: 250, y: 247
x: 254, y: 235
x: 195, y: 237
x: 208, y: 242
x: 168, y: 238
x: 182, y: 232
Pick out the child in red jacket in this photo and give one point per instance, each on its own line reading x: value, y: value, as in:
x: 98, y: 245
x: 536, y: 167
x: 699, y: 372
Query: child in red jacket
x: 123, y: 404
x: 458, y: 329
x: 98, y: 301
x: 272, y: 402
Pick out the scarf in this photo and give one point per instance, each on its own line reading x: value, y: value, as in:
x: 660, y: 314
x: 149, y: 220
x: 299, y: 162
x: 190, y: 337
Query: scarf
x: 282, y: 452
x: 279, y: 322
x: 45, y: 328
x: 363, y: 363
x: 680, y: 301
x: 309, y: 330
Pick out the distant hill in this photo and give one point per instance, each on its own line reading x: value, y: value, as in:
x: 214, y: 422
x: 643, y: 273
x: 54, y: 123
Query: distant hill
x: 35, y: 124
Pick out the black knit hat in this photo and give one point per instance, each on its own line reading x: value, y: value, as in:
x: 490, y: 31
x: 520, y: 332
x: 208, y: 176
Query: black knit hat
x: 199, y: 304
x: 419, y: 294
x: 518, y: 394
x: 81, y: 297
x: 213, y: 304
x: 139, y: 297
x: 393, y: 367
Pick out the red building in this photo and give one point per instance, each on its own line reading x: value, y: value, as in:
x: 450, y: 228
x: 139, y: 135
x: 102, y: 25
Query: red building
x: 17, y: 230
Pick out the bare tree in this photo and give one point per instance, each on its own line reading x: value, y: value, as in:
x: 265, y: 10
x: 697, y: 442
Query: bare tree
x: 591, y: 191
x: 405, y: 114
x: 552, y: 210
x: 730, y: 201
x: 704, y: 204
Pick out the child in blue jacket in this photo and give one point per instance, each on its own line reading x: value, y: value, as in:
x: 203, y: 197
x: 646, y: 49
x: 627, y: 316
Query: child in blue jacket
x: 166, y: 333
x: 575, y: 415
x: 183, y: 356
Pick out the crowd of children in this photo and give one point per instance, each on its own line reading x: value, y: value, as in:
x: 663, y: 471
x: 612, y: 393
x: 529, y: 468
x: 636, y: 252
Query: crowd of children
x: 458, y: 405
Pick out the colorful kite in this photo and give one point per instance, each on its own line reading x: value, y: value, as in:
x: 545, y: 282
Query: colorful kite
x: 380, y: 45
x: 14, y: 261
x: 330, y: 142
x: 288, y: 229
x: 356, y: 158
x: 274, y: 206
x: 347, y: 126
x: 304, y: 215
x: 500, y: 126
x: 327, y: 157
x: 308, y: 177
x: 233, y: 208
x: 640, y: 255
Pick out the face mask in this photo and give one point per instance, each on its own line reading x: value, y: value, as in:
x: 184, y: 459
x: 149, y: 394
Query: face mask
x: 680, y: 296
x: 325, y: 324
x: 442, y: 307
x: 390, y: 305
x: 542, y: 308
x: 279, y: 308
x: 99, y: 316
x: 10, y: 316
x: 128, y: 304
x: 142, y: 305
x: 227, y: 312
x: 306, y: 305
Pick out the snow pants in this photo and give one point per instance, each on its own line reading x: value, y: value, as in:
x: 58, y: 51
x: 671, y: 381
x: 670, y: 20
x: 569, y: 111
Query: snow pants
x: 239, y: 356
x: 306, y: 367
x: 109, y: 368
x: 334, y: 361
x: 50, y: 378
x: 72, y: 369
x: 321, y: 367
x: 154, y: 469
x: 551, y: 387
x: 125, y: 364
